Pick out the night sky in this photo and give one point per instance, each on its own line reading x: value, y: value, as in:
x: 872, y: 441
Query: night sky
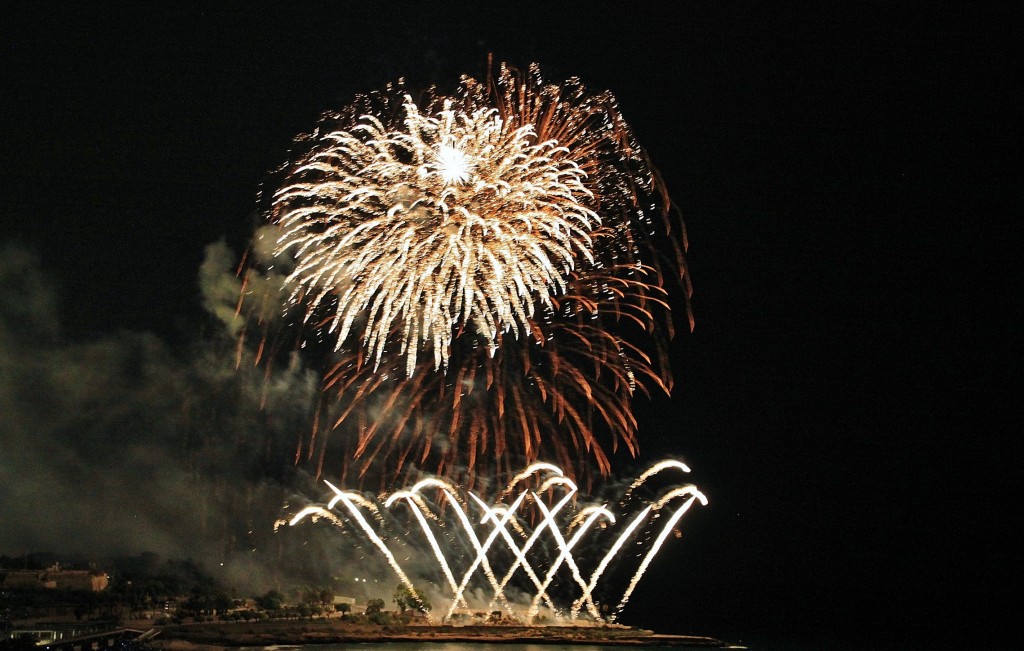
x: 830, y: 400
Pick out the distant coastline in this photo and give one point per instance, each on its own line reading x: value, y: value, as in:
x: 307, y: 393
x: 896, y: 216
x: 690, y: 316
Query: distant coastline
x: 213, y: 637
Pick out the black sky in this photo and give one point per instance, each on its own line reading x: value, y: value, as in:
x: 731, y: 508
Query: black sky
x: 842, y: 245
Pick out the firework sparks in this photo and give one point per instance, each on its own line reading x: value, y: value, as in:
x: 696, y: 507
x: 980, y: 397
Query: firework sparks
x: 450, y: 222
x: 487, y: 269
x: 542, y: 546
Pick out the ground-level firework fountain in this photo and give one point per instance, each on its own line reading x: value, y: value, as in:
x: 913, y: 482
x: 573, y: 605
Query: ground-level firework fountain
x: 534, y: 552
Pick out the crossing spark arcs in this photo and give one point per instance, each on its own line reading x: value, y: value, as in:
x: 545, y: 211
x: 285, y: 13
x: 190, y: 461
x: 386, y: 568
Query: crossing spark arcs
x: 526, y: 538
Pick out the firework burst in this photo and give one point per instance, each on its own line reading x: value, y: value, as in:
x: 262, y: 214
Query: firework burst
x: 452, y: 222
x: 487, y: 268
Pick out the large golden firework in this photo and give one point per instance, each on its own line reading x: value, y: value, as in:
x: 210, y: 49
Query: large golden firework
x: 487, y: 269
x: 451, y: 221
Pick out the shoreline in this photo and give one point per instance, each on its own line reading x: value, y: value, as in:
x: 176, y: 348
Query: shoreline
x: 220, y: 637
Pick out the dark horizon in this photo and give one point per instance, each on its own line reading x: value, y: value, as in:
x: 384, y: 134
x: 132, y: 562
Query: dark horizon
x: 822, y: 399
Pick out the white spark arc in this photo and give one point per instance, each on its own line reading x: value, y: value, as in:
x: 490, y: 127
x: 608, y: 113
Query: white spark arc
x: 510, y: 524
x: 481, y: 557
x: 347, y: 499
x: 529, y: 470
x: 560, y: 541
x: 680, y: 512
x: 655, y: 469
x: 623, y: 537
x: 520, y: 554
x: 417, y: 509
x: 591, y: 515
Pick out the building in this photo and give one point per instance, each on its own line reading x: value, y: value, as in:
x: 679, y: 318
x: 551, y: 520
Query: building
x: 344, y: 601
x: 55, y: 578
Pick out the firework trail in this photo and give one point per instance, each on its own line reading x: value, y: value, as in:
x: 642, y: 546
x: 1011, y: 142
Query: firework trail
x: 476, y: 273
x: 542, y: 558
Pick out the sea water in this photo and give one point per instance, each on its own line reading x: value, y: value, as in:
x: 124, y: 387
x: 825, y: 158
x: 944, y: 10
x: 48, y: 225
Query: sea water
x: 457, y: 646
x: 768, y: 644
x: 454, y: 646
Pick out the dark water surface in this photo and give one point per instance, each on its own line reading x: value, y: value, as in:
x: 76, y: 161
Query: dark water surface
x: 797, y: 643
x: 453, y: 646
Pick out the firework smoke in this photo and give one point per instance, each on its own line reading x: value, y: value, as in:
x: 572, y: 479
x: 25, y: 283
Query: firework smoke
x: 172, y: 448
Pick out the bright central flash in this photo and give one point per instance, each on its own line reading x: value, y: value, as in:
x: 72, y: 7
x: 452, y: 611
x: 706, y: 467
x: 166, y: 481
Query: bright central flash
x: 454, y: 166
